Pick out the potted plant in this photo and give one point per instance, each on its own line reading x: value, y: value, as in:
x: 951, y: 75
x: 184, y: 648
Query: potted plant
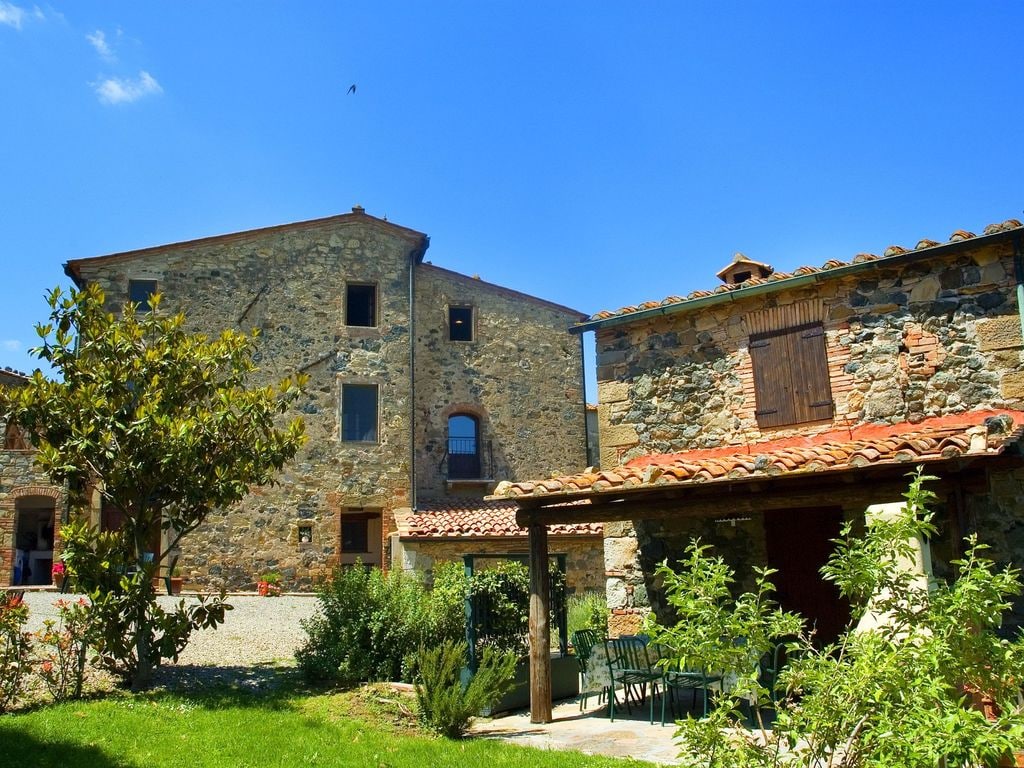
x: 269, y: 584
x: 57, y: 572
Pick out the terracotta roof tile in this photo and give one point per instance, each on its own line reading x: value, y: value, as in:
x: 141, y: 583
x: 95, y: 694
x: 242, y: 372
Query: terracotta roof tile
x: 943, y: 437
x: 893, y: 250
x: 475, y: 518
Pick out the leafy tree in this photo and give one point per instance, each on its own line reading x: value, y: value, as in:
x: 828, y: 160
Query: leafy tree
x: 899, y: 694
x: 164, y: 424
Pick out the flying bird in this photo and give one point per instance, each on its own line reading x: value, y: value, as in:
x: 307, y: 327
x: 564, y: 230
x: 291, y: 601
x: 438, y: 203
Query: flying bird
x: 351, y: 88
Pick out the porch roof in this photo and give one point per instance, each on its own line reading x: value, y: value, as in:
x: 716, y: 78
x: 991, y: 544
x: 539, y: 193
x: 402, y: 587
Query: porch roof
x: 976, y: 434
x: 436, y: 519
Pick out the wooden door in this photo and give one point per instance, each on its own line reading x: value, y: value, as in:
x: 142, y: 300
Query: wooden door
x: 799, y: 542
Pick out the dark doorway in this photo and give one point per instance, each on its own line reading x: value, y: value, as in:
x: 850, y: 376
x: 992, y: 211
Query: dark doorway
x: 463, y: 447
x: 799, y: 542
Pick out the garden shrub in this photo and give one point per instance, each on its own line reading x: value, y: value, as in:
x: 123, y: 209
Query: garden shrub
x: 369, y: 624
x: 501, y: 597
x: 587, y: 610
x: 447, y: 704
x: 63, y: 648
x: 895, y: 695
x: 15, y: 646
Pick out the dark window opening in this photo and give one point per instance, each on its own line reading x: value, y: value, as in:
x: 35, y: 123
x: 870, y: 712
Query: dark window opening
x: 359, y: 412
x: 791, y: 380
x: 460, y: 323
x: 305, y: 534
x: 463, y: 447
x: 355, y: 535
x: 741, y: 277
x: 361, y: 305
x: 139, y: 292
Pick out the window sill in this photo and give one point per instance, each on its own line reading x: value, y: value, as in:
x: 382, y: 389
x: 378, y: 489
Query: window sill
x: 469, y: 481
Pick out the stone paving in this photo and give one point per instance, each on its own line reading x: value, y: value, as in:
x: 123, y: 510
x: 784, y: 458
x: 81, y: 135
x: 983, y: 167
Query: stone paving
x: 630, y: 736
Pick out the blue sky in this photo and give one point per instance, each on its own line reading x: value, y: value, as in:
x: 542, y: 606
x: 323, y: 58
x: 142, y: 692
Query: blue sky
x: 594, y: 154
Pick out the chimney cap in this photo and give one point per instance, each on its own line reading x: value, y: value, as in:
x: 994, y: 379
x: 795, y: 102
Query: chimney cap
x: 358, y: 209
x: 743, y: 267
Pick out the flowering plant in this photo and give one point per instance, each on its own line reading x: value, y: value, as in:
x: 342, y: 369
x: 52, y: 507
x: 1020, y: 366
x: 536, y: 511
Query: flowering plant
x: 58, y: 570
x: 64, y: 648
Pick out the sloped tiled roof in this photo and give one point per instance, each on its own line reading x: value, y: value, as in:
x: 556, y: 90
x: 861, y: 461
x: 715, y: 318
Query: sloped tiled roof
x: 475, y: 518
x: 978, y: 433
x: 10, y: 375
x: 833, y: 264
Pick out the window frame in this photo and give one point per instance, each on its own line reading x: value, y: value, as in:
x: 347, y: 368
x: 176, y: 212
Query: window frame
x: 374, y: 308
x: 143, y: 305
x: 471, y: 325
x: 792, y: 383
x: 366, y: 386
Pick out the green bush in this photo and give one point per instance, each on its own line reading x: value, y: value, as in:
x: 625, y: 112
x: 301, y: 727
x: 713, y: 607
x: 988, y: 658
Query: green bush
x: 369, y: 624
x: 446, y: 704
x: 587, y: 610
x: 501, y: 604
x: 895, y: 695
x: 15, y: 645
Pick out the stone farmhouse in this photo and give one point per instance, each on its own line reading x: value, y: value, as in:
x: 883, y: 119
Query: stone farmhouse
x: 764, y: 414
x: 424, y: 385
x: 30, y: 507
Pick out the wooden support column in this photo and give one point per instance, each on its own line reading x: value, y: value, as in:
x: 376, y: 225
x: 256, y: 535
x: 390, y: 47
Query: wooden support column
x: 540, y: 629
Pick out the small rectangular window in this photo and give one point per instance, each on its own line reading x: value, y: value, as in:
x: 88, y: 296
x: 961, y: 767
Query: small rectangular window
x: 361, y: 305
x: 355, y: 535
x: 305, y: 534
x: 139, y: 292
x: 460, y: 323
x: 359, y: 412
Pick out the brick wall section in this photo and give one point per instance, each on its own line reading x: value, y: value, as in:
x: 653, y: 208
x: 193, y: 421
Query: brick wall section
x: 289, y: 282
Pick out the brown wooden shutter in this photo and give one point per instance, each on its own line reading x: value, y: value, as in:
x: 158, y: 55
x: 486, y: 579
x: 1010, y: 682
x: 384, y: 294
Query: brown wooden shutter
x: 772, y: 383
x: 791, y: 379
x: 813, y: 392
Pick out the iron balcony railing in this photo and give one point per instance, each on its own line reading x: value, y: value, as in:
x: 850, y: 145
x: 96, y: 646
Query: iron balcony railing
x: 466, y: 458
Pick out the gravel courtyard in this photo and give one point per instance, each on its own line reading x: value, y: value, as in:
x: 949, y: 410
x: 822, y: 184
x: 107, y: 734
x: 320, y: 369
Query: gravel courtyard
x: 257, y: 632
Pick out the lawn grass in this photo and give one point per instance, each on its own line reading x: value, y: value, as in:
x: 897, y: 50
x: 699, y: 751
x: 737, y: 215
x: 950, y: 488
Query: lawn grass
x: 233, y: 728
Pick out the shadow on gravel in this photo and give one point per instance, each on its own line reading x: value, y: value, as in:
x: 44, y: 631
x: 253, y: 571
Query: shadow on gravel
x: 260, y: 683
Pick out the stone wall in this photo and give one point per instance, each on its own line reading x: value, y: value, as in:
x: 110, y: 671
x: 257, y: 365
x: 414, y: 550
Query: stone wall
x: 522, y: 374
x: 583, y: 564
x: 904, y: 344
x: 20, y: 479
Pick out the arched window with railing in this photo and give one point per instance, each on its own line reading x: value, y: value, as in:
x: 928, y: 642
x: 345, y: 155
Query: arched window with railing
x: 463, y: 447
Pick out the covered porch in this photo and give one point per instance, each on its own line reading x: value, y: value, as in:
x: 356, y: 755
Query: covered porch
x: 778, y: 503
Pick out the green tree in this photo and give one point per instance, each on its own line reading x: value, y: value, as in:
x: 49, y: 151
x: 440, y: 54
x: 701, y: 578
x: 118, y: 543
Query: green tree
x: 165, y: 424
x: 894, y: 695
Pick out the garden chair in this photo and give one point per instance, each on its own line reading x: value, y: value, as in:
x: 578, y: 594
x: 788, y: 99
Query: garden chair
x: 679, y: 678
x: 629, y: 665
x: 168, y: 571
x: 583, y: 642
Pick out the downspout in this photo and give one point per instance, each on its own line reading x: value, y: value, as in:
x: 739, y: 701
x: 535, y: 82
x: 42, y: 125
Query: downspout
x: 591, y: 460
x: 412, y: 381
x: 1018, y: 269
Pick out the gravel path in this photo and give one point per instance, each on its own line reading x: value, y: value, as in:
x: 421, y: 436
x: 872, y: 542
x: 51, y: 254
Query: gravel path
x: 258, y: 634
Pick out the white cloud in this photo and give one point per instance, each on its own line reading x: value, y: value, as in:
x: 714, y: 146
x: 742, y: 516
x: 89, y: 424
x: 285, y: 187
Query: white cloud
x: 98, y: 40
x: 124, y: 90
x: 10, y: 345
x: 11, y: 15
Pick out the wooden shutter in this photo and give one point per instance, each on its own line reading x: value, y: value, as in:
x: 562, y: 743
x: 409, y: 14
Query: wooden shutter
x: 772, y: 381
x: 791, y: 380
x: 813, y: 392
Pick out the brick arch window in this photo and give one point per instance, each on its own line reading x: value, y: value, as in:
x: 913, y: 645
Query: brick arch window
x: 463, y: 446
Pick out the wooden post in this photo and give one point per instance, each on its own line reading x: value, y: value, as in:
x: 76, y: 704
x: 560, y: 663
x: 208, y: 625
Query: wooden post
x: 540, y: 629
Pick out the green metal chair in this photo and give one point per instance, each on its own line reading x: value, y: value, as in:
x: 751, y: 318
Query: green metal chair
x: 583, y: 642
x: 629, y: 665
x: 682, y: 679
